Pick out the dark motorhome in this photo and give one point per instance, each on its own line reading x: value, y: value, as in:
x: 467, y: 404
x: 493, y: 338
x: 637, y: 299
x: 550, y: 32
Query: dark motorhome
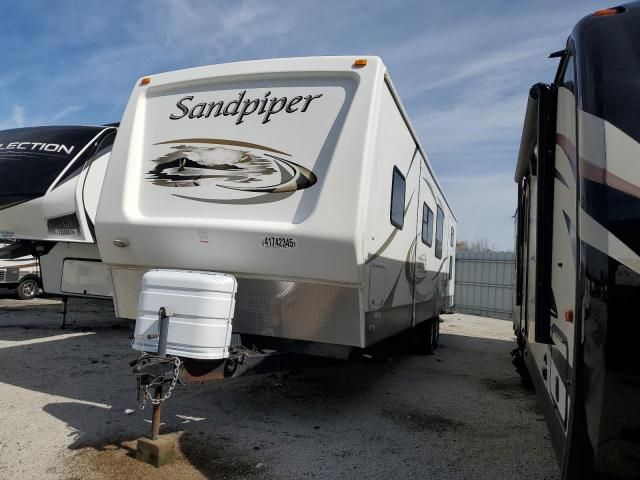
x: 578, y: 247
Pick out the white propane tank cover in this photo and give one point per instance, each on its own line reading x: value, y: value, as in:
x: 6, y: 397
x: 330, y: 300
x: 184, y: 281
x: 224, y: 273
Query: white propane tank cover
x: 201, y: 305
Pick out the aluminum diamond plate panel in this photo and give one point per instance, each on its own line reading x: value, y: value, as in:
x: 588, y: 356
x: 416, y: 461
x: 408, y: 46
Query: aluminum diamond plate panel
x: 295, y: 310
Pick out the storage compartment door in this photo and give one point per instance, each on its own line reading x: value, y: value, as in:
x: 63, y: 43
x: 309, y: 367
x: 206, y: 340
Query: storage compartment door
x: 85, y: 277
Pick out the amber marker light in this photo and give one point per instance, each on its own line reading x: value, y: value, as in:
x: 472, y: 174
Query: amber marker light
x: 608, y: 11
x: 360, y: 62
x: 568, y: 316
x: 145, y: 81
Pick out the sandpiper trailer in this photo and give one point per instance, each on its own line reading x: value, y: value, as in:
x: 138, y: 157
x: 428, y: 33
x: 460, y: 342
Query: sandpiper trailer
x: 578, y: 247
x: 50, y: 183
x: 304, y: 179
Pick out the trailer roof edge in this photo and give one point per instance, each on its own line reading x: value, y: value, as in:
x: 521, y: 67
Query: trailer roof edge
x: 405, y: 117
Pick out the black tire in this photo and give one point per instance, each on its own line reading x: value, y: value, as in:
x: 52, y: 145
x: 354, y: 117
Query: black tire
x: 28, y: 289
x: 424, y: 337
x: 436, y: 332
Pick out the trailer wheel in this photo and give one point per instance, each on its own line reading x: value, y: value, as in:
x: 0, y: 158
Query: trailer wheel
x: 425, y: 337
x: 27, y: 289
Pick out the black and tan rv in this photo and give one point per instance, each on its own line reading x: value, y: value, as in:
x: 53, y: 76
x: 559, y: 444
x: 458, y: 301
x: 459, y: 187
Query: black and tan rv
x: 578, y: 247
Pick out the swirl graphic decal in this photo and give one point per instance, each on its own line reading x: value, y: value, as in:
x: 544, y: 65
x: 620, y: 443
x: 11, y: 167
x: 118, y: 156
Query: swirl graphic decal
x: 213, y: 166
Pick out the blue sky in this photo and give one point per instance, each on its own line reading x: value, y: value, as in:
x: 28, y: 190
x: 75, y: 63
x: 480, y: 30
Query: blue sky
x: 462, y: 68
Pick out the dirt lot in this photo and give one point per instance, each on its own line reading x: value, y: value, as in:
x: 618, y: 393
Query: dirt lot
x: 68, y: 407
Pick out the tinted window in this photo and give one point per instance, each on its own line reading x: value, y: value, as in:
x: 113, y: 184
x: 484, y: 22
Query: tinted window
x: 567, y: 79
x: 439, y: 232
x: 398, y: 189
x: 608, y: 65
x: 427, y: 225
x: 105, y: 144
x: 99, y: 148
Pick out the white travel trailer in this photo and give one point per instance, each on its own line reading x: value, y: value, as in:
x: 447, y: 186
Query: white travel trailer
x: 50, y: 183
x: 301, y: 177
x: 578, y: 247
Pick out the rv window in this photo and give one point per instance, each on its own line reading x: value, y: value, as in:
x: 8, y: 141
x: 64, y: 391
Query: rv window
x: 100, y: 147
x: 452, y: 236
x: 105, y: 145
x: 439, y: 232
x: 427, y: 225
x: 398, y: 188
x: 567, y: 79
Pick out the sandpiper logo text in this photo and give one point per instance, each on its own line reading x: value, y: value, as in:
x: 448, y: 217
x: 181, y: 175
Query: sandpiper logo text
x: 241, y: 107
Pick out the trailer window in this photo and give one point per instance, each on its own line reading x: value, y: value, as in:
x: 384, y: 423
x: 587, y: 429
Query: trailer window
x: 452, y: 237
x: 398, y: 190
x: 427, y: 225
x: 99, y: 148
x: 439, y: 232
x: 567, y: 77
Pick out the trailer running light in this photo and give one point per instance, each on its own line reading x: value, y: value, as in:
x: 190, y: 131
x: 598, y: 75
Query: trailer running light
x: 608, y: 11
x: 360, y: 62
x: 145, y: 81
x: 568, y: 316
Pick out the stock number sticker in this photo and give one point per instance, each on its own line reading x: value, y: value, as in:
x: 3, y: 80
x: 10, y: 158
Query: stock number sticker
x: 278, y: 242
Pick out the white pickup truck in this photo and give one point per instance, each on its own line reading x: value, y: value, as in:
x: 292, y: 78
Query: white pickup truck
x: 21, y: 274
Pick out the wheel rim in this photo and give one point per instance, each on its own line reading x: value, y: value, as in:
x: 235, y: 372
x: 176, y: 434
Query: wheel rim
x: 28, y: 289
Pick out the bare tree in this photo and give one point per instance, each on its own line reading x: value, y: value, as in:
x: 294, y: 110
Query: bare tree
x: 478, y: 245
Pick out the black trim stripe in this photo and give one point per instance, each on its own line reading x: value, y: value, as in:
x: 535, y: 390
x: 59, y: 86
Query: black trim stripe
x: 561, y: 179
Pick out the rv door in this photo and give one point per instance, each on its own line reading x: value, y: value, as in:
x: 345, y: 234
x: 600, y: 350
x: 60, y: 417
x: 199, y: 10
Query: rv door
x: 545, y: 177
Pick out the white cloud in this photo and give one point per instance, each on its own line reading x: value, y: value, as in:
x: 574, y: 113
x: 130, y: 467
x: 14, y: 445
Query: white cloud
x: 18, y: 115
x: 16, y: 120
x: 64, y: 112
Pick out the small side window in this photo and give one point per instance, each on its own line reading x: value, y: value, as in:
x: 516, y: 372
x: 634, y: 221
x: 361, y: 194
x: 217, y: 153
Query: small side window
x: 427, y: 225
x: 398, y: 189
x: 452, y: 237
x: 567, y: 79
x: 439, y: 232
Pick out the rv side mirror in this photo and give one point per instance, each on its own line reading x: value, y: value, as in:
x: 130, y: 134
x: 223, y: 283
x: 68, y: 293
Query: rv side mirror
x: 547, y: 103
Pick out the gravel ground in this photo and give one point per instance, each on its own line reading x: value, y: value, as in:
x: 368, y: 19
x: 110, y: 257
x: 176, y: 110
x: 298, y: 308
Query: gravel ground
x: 68, y: 407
